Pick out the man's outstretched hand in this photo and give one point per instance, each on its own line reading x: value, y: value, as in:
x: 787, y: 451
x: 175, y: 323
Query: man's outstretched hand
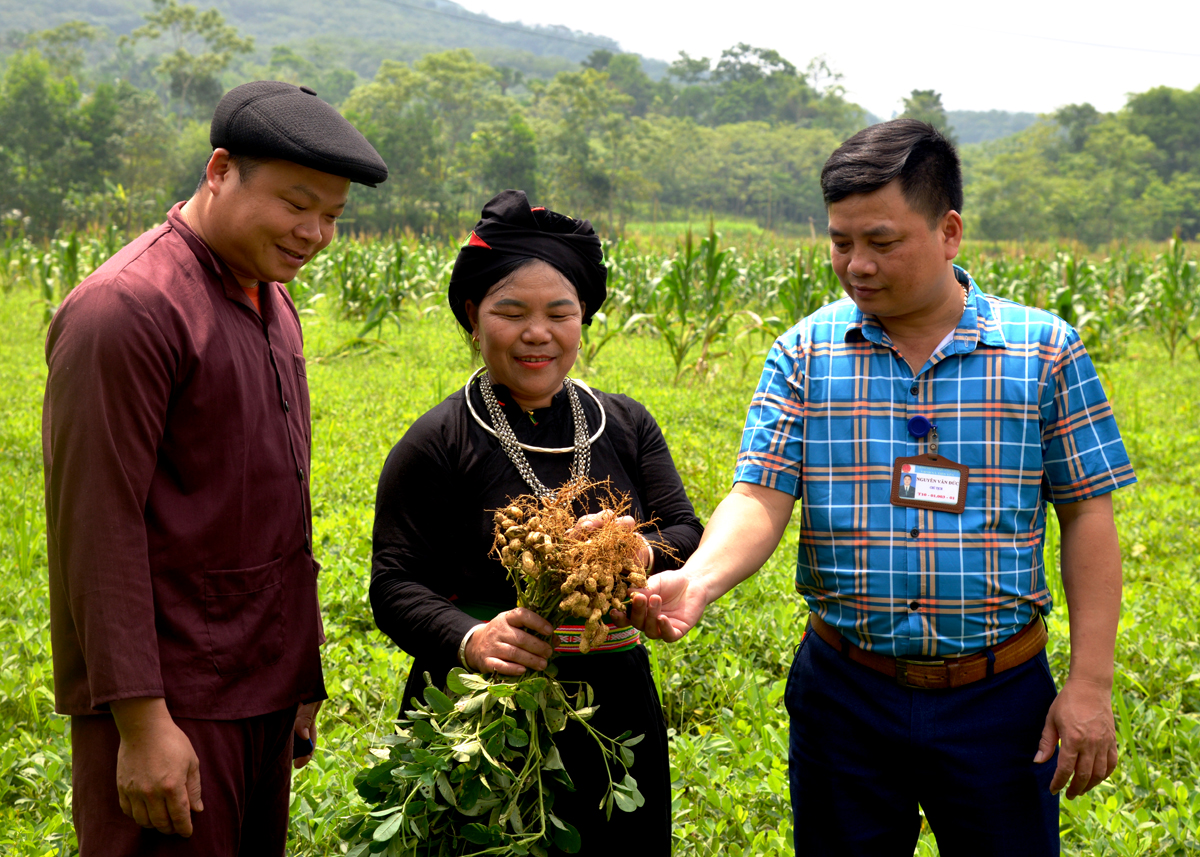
x: 667, y: 608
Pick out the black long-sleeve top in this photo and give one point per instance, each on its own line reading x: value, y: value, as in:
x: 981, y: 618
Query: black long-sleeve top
x: 442, y: 481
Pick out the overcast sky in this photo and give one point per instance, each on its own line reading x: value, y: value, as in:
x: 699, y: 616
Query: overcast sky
x: 1032, y: 55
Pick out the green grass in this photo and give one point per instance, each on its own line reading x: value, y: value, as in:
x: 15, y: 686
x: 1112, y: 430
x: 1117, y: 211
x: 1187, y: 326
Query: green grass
x: 722, y: 688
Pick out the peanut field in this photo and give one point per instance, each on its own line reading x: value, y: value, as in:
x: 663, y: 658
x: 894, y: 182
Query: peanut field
x: 684, y: 331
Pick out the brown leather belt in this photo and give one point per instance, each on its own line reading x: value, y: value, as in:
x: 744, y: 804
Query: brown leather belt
x: 939, y: 674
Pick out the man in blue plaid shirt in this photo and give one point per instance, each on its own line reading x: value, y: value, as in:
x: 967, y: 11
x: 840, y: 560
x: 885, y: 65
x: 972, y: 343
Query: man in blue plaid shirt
x: 924, y: 425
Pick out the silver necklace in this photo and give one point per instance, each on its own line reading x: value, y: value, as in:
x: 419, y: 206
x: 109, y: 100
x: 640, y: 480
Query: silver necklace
x: 553, y: 450
x: 581, y: 462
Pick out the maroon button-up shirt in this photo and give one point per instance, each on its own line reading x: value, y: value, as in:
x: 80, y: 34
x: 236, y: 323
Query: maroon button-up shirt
x: 175, y: 435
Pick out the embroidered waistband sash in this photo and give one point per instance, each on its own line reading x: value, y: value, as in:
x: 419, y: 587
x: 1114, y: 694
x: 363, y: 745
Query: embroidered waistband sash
x: 567, y: 637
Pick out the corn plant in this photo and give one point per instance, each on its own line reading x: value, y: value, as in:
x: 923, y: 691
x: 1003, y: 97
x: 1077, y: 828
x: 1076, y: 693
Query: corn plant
x: 1174, y: 307
x: 808, y: 283
x: 693, y: 307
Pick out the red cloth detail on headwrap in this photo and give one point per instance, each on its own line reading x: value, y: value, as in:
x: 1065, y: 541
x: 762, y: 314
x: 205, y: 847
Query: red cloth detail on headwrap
x: 539, y: 208
x: 476, y: 241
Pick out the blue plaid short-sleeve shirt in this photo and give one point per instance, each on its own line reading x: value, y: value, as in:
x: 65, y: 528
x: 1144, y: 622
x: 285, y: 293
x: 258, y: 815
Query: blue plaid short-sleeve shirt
x: 1015, y: 398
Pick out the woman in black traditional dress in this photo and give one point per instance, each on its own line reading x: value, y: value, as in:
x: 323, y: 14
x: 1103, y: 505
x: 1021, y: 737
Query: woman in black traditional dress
x: 523, y: 285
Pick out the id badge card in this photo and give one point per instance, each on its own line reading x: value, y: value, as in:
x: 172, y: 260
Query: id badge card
x: 930, y: 481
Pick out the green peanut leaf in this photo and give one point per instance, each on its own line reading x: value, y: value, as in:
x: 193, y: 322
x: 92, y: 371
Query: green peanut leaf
x: 438, y: 701
x: 629, y: 784
x: 553, y: 760
x: 425, y: 731
x: 469, y: 705
x: 445, y: 789
x: 534, y: 685
x: 369, y: 793
x: 514, y: 818
x: 493, y: 727
x: 472, y: 681
x: 464, y: 751
x: 420, y: 826
x: 624, y: 801
x: 380, y: 774
x: 633, y: 742
x: 476, y: 833
x: 471, y: 791
x: 388, y: 829
x: 564, y: 778
x: 480, y: 807
x: 556, y: 720
x: 454, y: 680
x: 414, y: 808
x: 566, y: 838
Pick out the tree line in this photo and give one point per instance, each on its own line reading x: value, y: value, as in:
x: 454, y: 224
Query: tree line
x: 88, y: 136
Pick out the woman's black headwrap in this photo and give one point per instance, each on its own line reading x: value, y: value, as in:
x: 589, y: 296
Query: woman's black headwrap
x: 510, y: 232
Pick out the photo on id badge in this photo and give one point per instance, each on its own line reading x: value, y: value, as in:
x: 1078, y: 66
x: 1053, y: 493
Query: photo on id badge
x: 921, y: 483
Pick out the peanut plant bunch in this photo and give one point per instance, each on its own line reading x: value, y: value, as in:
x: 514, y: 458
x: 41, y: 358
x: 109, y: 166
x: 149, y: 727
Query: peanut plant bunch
x: 565, y: 571
x: 474, y: 769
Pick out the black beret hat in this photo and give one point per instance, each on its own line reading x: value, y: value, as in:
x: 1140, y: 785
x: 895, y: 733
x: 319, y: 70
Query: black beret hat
x: 509, y: 232
x: 271, y: 119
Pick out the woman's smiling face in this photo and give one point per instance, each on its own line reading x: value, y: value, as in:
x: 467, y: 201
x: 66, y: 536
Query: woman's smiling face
x: 528, y: 326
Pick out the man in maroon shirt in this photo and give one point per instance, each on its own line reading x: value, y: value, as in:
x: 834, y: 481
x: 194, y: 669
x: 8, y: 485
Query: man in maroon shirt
x: 176, y: 438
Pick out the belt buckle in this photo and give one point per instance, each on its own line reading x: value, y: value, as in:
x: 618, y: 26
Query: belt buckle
x: 902, y: 665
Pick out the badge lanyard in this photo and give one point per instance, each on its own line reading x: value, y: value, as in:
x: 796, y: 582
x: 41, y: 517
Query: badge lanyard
x: 929, y: 481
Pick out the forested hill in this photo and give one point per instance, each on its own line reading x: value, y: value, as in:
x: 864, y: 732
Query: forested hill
x: 979, y: 126
x: 95, y: 128
x: 408, y: 28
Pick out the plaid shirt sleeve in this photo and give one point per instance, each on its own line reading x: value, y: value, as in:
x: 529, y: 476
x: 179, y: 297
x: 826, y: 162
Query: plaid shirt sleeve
x: 1082, y: 452
x: 772, y: 440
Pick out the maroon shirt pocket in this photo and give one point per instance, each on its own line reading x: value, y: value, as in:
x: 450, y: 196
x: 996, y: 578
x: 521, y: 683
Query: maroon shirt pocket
x: 302, y: 390
x: 243, y: 611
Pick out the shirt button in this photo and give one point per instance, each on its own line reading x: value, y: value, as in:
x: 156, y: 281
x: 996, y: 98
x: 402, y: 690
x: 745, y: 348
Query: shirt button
x: 914, y: 605
x: 914, y: 532
x: 914, y: 389
x: 286, y: 409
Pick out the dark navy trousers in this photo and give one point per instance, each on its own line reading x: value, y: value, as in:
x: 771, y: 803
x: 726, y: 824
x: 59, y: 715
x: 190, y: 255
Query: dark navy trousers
x: 865, y: 753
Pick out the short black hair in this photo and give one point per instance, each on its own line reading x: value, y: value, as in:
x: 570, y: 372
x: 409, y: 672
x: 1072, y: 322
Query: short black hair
x: 915, y: 152
x: 246, y: 166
